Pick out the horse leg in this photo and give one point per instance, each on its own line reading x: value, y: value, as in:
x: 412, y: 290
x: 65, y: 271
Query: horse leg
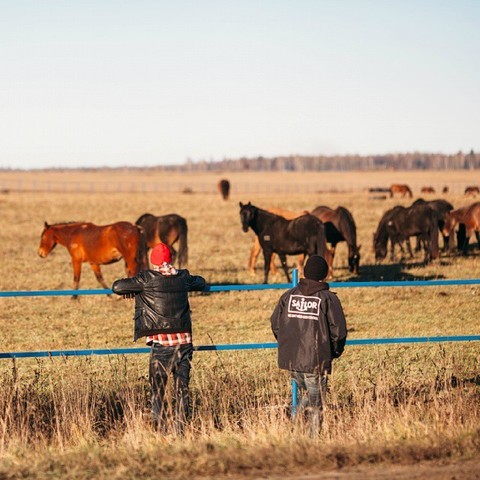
x: 409, y: 247
x: 254, y: 255
x: 283, y: 259
x: 267, y: 257
x: 392, y: 249
x: 301, y: 263
x: 98, y: 274
x: 468, y: 232
x: 77, y: 270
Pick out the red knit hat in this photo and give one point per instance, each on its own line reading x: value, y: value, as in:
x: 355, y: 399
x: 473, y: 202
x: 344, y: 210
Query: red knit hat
x: 160, y: 254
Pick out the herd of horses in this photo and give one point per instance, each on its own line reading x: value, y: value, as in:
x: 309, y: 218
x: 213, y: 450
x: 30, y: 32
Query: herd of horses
x: 319, y: 231
x: 278, y: 232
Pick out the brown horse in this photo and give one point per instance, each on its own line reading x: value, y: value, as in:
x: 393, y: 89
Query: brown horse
x: 168, y: 229
x: 472, y: 191
x: 223, y: 187
x: 340, y: 227
x: 256, y: 249
x: 400, y: 189
x: 468, y: 216
x: 97, y: 245
x: 427, y: 190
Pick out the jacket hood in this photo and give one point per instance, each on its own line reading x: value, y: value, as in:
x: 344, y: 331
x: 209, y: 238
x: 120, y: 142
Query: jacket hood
x: 309, y: 287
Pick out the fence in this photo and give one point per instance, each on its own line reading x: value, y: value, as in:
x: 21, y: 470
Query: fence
x: 239, y: 188
x: 255, y: 346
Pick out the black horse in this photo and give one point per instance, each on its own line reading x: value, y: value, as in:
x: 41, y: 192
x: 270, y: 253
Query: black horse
x: 224, y: 188
x: 442, y: 207
x: 400, y: 223
x: 305, y: 234
x: 167, y: 229
x: 340, y: 227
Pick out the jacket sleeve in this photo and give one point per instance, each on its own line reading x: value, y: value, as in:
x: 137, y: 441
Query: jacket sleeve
x: 127, y: 286
x: 337, y: 325
x: 277, y: 315
x: 196, y: 283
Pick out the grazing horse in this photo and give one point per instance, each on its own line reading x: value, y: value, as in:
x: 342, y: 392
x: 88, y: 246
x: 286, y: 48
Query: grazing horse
x: 472, y: 191
x: 167, y: 229
x: 468, y: 216
x: 401, y: 189
x: 401, y: 223
x: 427, y: 190
x: 381, y: 236
x: 256, y: 249
x: 97, y: 245
x: 442, y: 207
x: 223, y: 187
x: 305, y: 234
x: 340, y: 227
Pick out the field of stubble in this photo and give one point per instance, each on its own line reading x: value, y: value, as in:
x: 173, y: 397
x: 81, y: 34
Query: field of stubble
x: 89, y: 417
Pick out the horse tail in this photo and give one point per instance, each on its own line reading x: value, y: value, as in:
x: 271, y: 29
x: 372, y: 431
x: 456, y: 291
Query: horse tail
x: 183, y: 243
x: 141, y: 259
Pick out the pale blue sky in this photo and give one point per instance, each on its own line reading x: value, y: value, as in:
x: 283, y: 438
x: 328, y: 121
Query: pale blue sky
x: 113, y: 83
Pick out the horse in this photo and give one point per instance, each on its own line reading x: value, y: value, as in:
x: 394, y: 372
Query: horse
x: 442, y: 207
x: 340, y: 227
x: 381, y: 236
x: 471, y: 191
x: 256, y: 249
x: 402, y: 189
x: 97, y: 245
x: 427, y: 190
x: 305, y: 234
x: 223, y: 187
x: 445, y: 189
x: 167, y: 229
x: 468, y: 216
x: 401, y: 223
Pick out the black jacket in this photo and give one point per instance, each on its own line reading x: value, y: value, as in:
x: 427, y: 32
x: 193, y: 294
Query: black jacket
x: 161, y: 302
x: 310, y: 327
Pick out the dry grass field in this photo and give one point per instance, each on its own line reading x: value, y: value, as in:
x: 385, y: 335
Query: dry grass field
x: 89, y: 417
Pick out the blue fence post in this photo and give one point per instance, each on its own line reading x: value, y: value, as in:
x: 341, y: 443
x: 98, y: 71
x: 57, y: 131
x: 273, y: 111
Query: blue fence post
x: 294, y: 383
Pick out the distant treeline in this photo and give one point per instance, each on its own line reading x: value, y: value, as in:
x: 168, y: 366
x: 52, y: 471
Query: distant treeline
x: 301, y: 163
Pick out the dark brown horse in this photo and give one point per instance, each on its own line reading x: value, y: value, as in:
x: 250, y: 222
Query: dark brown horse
x: 256, y: 249
x: 427, y: 190
x: 400, y: 189
x: 442, y: 207
x: 468, y: 216
x: 340, y: 227
x: 224, y: 188
x: 97, y: 245
x: 168, y: 229
x: 400, y: 223
x: 305, y: 234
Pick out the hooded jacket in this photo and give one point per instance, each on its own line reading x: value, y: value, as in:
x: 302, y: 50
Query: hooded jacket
x: 309, y: 325
x: 161, y: 302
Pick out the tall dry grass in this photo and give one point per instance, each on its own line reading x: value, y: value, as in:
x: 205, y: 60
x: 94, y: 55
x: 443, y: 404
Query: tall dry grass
x: 89, y: 417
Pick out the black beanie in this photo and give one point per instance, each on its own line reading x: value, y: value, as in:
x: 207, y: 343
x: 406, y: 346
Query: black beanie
x: 316, y: 268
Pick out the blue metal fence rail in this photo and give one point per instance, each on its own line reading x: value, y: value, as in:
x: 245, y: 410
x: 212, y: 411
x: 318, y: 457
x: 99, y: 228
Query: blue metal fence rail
x: 234, y: 346
x: 250, y: 287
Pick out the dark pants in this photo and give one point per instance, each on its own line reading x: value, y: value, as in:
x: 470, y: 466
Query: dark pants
x: 314, y: 386
x: 163, y: 361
